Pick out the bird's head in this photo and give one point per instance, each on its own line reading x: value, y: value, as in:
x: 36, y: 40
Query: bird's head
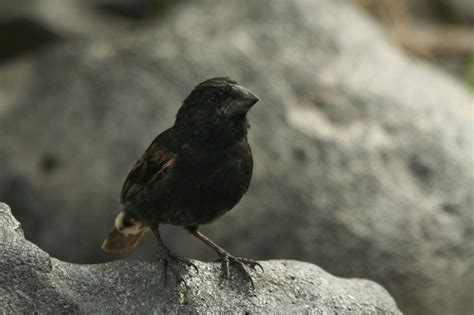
x: 216, y: 110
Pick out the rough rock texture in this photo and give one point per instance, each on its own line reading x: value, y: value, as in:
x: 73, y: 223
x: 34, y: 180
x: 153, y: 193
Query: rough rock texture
x: 32, y: 281
x: 363, y: 157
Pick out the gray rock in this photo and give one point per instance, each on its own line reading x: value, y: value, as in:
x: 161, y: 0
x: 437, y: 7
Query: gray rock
x: 363, y: 157
x: 27, y: 26
x: 84, y: 18
x: 32, y: 281
x: 463, y: 8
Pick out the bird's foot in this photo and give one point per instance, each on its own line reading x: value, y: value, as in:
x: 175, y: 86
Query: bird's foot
x: 240, y: 263
x: 170, y: 261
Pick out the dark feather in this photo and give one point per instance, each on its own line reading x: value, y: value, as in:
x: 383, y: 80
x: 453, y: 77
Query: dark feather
x: 151, y: 167
x: 200, y: 168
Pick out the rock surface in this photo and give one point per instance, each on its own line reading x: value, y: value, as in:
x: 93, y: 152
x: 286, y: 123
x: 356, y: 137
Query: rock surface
x: 464, y: 9
x: 363, y: 157
x: 32, y: 281
x: 28, y: 25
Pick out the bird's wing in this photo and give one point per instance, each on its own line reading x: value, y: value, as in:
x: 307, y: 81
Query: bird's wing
x: 154, y: 164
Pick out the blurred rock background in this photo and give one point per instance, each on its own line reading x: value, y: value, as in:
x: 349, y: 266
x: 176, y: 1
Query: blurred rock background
x: 439, y: 31
x: 363, y: 141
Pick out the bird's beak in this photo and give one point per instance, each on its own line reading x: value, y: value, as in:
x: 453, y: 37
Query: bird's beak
x: 243, y: 100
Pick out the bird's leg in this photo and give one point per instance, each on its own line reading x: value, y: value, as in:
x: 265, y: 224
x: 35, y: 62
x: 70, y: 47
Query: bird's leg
x: 225, y: 257
x: 166, y: 256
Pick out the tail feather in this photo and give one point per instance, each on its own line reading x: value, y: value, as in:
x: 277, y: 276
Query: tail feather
x: 126, y: 234
x: 120, y: 242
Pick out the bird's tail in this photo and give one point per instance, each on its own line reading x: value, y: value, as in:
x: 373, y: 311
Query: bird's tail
x: 125, y: 236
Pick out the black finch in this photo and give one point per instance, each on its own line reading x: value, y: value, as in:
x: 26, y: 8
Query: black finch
x: 191, y: 174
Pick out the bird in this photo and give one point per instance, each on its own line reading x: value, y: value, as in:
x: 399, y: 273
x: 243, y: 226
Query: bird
x: 191, y: 174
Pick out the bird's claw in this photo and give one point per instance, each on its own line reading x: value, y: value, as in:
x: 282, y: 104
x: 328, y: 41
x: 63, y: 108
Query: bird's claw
x: 239, y: 262
x: 251, y: 263
x: 169, y: 260
x: 187, y: 262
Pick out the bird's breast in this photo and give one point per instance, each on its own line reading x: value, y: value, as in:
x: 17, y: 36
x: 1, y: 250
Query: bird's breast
x: 212, y: 184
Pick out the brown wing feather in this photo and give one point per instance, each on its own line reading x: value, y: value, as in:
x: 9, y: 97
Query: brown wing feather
x: 151, y: 167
